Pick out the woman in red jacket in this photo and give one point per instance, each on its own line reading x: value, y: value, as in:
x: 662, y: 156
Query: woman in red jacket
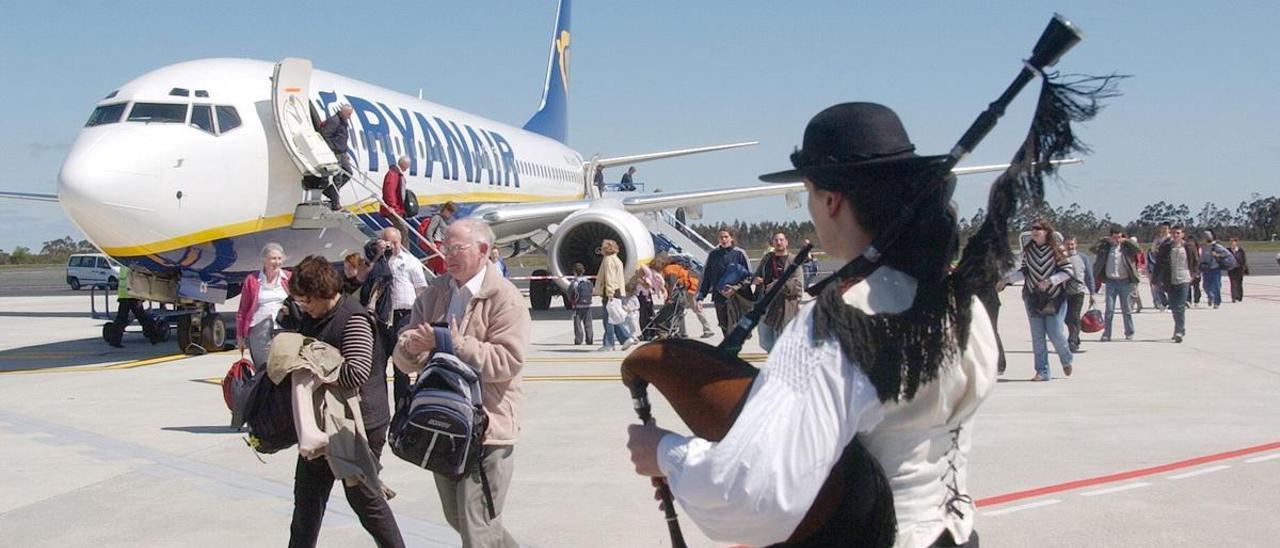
x: 260, y: 300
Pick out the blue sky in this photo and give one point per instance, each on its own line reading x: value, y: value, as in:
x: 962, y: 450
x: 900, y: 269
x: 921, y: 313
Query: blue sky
x: 1197, y: 123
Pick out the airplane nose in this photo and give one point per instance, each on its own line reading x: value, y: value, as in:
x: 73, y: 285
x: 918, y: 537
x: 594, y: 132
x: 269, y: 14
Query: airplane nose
x: 103, y: 187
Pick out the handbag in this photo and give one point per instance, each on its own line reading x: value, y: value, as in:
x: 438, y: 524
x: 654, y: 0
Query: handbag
x: 616, y: 312
x: 410, y: 202
x: 1044, y: 305
x: 1092, y: 322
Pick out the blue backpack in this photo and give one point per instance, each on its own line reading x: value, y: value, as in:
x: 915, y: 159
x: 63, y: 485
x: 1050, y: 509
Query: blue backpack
x: 441, y: 425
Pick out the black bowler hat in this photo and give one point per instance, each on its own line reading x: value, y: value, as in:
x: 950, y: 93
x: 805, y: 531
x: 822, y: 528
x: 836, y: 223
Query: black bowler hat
x: 851, y: 139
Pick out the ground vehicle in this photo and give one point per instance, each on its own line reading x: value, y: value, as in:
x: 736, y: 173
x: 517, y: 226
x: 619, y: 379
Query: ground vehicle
x: 92, y: 269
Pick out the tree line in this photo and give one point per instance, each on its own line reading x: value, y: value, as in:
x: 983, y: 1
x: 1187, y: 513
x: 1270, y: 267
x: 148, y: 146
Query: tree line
x: 51, y: 252
x: 1255, y: 219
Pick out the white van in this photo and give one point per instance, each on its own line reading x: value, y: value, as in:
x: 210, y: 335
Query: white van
x: 92, y: 269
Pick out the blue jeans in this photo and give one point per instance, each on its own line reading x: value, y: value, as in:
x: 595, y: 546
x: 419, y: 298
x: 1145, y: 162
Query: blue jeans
x: 614, y: 333
x: 1212, y: 280
x: 1178, y: 305
x: 1053, y: 327
x: 1118, y: 290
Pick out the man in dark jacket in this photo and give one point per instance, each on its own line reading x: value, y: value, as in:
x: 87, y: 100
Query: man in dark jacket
x: 336, y: 132
x: 718, y: 262
x: 787, y: 303
x: 1176, y: 265
x: 1116, y: 266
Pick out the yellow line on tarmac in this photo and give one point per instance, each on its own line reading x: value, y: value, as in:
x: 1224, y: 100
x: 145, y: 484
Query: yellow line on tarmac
x: 86, y: 368
x: 146, y: 362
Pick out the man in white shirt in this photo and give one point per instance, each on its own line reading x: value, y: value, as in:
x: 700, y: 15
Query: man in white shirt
x: 408, y: 279
x: 850, y: 365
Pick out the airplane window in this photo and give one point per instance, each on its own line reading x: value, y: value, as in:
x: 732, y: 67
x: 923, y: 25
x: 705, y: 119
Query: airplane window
x: 180, y: 92
x: 422, y: 150
x: 202, y: 93
x: 228, y: 118
x: 110, y: 95
x: 202, y: 118
x: 106, y: 114
x: 158, y: 112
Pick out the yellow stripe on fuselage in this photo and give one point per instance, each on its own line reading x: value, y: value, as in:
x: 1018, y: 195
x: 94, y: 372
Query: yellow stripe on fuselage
x: 280, y: 221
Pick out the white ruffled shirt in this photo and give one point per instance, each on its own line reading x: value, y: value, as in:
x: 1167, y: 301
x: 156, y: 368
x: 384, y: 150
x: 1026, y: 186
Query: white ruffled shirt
x: 805, y: 407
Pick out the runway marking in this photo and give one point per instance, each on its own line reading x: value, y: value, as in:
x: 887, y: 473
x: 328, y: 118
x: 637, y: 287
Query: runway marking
x: 1201, y: 471
x: 1263, y: 458
x: 1021, y: 507
x: 217, y: 381
x: 96, y: 367
x: 1122, y: 476
x: 146, y: 362
x: 1117, y: 489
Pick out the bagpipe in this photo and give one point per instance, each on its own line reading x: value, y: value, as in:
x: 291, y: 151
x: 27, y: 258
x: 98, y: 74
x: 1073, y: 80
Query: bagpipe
x: 707, y: 386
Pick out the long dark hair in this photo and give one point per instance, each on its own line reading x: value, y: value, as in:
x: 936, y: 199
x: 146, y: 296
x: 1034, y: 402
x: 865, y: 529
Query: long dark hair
x: 899, y: 352
x: 1059, y: 254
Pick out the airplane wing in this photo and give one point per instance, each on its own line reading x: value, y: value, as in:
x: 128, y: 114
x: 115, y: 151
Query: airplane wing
x: 34, y: 197
x: 521, y: 218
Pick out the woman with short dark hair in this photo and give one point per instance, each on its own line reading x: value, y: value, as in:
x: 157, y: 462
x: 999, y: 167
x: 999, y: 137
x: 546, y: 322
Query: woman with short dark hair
x: 331, y: 316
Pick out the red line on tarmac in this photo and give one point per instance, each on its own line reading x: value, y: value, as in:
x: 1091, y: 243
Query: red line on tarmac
x: 1122, y: 476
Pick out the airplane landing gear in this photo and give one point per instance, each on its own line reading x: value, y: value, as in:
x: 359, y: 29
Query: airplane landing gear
x: 202, y: 331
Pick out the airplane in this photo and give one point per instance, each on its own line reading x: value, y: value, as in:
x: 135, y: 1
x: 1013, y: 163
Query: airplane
x: 185, y: 172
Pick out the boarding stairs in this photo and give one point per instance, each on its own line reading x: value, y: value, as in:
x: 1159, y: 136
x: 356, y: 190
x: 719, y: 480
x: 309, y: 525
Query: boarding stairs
x: 296, y: 124
x: 675, y: 237
x: 361, y: 220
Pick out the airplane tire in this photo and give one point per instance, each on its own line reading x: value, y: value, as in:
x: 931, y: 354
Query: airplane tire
x: 112, y: 333
x: 540, y: 291
x: 213, y: 333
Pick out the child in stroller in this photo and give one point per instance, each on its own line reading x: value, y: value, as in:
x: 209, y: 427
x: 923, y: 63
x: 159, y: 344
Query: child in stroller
x: 668, y: 321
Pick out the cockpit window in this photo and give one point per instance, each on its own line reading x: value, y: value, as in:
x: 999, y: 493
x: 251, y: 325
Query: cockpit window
x: 202, y: 118
x: 228, y: 118
x: 106, y: 114
x: 158, y: 112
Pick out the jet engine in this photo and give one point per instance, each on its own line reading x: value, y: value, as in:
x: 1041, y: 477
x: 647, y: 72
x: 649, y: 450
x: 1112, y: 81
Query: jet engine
x: 577, y: 240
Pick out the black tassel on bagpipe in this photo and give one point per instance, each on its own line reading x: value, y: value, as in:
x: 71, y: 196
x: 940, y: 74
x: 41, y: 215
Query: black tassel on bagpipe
x: 899, y: 352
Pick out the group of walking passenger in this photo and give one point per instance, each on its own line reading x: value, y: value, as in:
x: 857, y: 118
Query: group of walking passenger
x: 380, y: 310
x: 1057, y: 278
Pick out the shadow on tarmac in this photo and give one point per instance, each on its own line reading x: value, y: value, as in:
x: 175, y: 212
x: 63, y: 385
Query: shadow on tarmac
x: 42, y: 314
x: 79, y: 352
x: 202, y: 429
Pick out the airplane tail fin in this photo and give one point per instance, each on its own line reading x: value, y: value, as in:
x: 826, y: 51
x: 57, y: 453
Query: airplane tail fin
x: 552, y: 118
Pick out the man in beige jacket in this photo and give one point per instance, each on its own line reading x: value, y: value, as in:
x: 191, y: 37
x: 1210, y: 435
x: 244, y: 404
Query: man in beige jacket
x: 488, y: 323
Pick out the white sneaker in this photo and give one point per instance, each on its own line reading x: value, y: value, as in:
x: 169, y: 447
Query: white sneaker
x: 605, y: 348
x: 630, y: 343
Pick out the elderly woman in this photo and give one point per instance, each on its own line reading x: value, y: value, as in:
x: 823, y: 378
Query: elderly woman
x: 340, y: 321
x: 611, y: 284
x: 260, y: 300
x: 1045, y: 271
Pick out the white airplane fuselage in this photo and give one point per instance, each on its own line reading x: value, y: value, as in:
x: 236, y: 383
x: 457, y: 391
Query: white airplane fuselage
x: 187, y: 196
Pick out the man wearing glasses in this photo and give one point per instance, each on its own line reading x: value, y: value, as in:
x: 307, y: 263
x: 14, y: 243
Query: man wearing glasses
x: 486, y: 319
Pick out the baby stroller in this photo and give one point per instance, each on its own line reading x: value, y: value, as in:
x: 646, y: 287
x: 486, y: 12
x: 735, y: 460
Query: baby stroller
x: 668, y: 321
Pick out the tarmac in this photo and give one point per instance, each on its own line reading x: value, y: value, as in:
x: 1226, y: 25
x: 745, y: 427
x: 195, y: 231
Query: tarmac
x: 1148, y: 443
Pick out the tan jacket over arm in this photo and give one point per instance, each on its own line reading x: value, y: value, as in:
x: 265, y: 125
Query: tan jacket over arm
x: 492, y: 337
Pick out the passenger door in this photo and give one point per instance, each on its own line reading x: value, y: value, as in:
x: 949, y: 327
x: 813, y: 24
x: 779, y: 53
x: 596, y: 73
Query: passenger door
x: 292, y: 112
